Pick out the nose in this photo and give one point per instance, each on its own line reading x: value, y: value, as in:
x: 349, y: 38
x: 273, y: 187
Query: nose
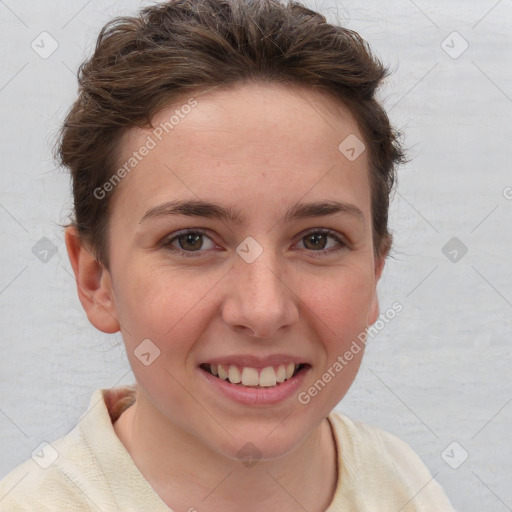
x: 259, y: 301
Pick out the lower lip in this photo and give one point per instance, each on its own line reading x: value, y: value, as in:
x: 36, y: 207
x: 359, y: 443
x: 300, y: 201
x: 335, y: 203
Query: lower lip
x: 257, y: 396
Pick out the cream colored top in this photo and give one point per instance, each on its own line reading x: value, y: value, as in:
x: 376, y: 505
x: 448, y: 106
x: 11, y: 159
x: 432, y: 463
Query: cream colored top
x: 89, y: 469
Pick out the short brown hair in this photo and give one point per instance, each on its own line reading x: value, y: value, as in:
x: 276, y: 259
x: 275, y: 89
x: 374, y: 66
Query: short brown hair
x: 179, y: 47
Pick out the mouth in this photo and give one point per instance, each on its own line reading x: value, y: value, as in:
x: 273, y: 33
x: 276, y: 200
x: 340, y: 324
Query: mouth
x: 258, y: 378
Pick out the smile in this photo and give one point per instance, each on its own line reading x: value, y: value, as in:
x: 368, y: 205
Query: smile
x: 246, y: 376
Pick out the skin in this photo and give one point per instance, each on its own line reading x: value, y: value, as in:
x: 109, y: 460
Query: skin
x: 261, y: 157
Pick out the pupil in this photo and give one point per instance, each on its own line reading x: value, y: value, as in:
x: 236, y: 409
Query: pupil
x: 317, y: 238
x: 192, y: 239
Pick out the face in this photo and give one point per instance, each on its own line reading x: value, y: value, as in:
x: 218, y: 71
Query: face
x: 275, y: 269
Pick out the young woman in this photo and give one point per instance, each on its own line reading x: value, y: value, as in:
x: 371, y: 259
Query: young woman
x: 231, y: 176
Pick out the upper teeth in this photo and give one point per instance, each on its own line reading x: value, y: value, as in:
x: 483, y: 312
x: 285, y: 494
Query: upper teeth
x: 248, y: 376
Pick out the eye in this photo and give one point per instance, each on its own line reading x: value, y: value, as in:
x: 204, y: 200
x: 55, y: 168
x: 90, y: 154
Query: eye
x: 187, y: 242
x: 317, y: 241
x: 190, y: 242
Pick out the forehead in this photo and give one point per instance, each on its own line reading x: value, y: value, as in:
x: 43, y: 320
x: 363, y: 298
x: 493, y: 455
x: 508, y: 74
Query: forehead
x: 275, y: 141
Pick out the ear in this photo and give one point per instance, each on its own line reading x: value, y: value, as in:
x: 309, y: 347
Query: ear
x: 94, y: 284
x: 373, y: 313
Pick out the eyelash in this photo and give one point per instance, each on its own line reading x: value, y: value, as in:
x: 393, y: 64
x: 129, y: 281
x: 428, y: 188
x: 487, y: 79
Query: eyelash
x: 194, y: 254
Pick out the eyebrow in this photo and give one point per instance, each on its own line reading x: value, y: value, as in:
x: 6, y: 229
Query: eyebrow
x: 198, y: 208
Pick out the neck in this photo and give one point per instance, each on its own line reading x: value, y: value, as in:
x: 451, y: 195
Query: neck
x: 187, y: 475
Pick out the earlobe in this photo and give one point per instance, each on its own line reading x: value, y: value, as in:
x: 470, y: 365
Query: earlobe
x: 93, y: 284
x: 380, y: 261
x: 374, y: 311
x: 374, y: 306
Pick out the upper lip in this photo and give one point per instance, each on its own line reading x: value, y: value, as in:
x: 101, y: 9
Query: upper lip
x: 255, y: 361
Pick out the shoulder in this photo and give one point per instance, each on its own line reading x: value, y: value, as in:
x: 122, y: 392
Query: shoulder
x: 46, y: 481
x: 366, y: 440
x: 385, y: 469
x: 72, y: 472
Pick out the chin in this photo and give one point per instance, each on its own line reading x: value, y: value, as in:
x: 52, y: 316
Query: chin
x: 260, y: 441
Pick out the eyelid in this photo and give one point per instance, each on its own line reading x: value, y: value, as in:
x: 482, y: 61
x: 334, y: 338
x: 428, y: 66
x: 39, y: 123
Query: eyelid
x: 342, y: 242
x: 166, y: 242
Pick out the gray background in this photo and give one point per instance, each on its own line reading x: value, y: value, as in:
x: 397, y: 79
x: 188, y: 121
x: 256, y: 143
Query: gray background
x: 438, y: 373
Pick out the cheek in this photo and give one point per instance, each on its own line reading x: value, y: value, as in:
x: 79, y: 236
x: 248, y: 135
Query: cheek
x: 162, y: 304
x: 342, y: 302
x: 338, y: 311
x: 166, y: 308
x: 171, y: 306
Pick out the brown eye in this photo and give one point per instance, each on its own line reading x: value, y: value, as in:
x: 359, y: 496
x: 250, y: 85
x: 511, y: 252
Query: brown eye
x: 315, y: 241
x: 318, y: 241
x: 188, y: 243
